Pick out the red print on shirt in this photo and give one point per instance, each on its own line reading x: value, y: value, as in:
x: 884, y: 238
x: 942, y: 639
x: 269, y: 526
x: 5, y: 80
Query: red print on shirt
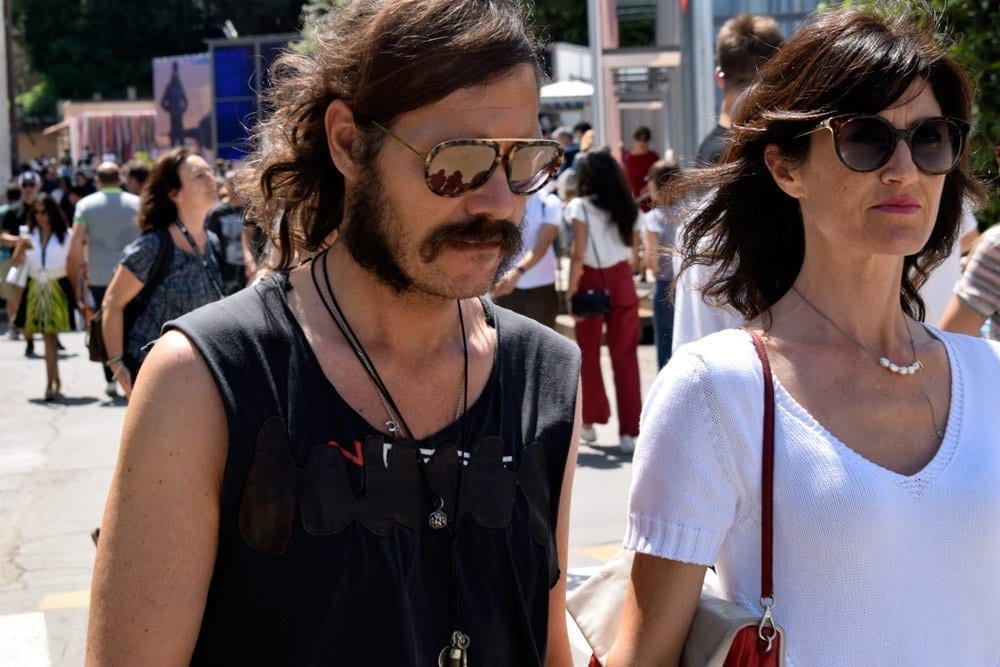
x: 355, y: 456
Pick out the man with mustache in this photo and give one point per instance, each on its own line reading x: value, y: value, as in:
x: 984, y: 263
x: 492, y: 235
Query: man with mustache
x: 359, y: 460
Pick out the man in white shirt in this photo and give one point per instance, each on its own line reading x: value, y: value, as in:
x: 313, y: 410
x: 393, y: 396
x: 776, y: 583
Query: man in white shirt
x: 529, y: 286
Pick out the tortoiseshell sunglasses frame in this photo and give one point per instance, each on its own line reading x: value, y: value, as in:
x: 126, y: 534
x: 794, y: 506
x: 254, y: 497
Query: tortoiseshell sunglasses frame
x: 499, y: 156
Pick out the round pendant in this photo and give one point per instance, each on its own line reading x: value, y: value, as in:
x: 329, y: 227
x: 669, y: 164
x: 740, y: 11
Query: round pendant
x: 437, y: 519
x: 457, y: 654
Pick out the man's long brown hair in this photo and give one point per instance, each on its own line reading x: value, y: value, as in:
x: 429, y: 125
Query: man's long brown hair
x: 383, y: 58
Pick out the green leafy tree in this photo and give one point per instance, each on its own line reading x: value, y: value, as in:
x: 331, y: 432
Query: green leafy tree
x: 561, y: 20
x: 88, y: 47
x: 259, y: 17
x: 976, y: 26
x: 85, y: 47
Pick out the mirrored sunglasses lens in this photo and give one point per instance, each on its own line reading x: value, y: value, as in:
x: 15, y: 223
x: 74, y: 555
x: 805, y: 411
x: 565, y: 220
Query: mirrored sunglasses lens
x: 864, y: 144
x: 530, y: 167
x: 457, y: 169
x: 936, y: 145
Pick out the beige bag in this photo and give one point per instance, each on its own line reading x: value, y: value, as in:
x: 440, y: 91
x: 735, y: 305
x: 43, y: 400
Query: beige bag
x: 597, y: 604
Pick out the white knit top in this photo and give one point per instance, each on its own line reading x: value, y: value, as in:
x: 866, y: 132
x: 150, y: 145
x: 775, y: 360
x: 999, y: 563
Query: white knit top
x: 870, y: 567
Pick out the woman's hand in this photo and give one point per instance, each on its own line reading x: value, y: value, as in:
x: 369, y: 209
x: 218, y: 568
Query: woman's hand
x: 122, y: 375
x: 22, y: 246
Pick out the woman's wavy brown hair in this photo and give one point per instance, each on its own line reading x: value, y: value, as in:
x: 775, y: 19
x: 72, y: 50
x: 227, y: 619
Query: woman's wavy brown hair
x: 383, y: 58
x: 157, y: 209
x: 840, y: 61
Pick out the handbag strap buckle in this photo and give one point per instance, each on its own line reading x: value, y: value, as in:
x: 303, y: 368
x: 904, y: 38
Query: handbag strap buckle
x: 765, y: 629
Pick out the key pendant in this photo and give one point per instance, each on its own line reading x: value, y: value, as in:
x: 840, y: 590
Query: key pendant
x: 438, y: 519
x: 456, y: 655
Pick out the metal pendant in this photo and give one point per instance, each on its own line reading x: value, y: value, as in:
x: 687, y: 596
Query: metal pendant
x: 438, y: 519
x: 457, y: 654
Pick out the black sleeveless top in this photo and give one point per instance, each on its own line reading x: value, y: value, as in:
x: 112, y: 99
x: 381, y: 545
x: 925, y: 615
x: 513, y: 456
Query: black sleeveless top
x: 325, y: 555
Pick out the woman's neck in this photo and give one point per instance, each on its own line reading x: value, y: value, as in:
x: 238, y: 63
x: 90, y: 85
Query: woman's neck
x: 193, y: 220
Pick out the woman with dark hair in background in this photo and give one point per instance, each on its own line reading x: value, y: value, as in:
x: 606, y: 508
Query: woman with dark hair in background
x: 178, y: 195
x: 604, y: 251
x: 47, y: 308
x: 843, y: 186
x: 659, y: 231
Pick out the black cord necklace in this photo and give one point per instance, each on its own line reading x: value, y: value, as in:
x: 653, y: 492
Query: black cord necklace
x: 202, y: 256
x: 455, y: 654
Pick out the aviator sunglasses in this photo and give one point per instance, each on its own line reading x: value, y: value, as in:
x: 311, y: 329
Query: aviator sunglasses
x: 866, y: 143
x: 457, y: 167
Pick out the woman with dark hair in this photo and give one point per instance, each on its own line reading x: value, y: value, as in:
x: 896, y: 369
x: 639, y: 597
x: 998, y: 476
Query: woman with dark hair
x: 659, y: 231
x: 49, y: 297
x: 605, y: 246
x: 842, y: 187
x: 178, y: 195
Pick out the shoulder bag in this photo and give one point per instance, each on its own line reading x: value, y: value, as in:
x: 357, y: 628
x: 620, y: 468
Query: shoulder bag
x: 591, y: 302
x: 137, y: 306
x: 723, y: 634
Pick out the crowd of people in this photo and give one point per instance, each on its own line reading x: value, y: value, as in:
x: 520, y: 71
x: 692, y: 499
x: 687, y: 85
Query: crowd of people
x: 70, y: 251
x: 367, y: 455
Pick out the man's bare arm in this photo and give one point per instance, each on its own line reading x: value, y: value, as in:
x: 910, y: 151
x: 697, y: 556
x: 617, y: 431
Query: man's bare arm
x: 160, y: 529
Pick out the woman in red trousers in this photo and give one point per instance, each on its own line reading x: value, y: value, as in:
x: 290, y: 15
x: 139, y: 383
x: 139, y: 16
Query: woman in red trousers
x: 605, y: 241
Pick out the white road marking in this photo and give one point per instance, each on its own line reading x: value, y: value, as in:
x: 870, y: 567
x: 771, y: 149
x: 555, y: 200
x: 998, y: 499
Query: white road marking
x: 23, y: 640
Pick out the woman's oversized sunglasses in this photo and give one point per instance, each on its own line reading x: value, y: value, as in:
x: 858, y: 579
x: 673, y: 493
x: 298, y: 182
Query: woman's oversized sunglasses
x: 457, y: 167
x: 867, y: 142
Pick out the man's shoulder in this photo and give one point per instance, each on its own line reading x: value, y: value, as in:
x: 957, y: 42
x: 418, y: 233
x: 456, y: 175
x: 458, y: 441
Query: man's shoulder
x: 15, y: 208
x: 104, y: 198
x: 711, y: 147
x: 12, y: 216
x: 524, y: 336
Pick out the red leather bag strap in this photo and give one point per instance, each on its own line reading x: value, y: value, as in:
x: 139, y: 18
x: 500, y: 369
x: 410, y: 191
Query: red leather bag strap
x: 767, y: 476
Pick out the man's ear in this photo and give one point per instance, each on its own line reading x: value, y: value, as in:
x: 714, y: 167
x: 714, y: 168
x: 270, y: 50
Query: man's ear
x: 785, y: 175
x: 341, y: 133
x: 720, y: 77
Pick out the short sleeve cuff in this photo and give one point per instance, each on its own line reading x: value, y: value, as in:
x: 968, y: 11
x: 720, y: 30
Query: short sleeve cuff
x: 687, y: 544
x: 978, y: 305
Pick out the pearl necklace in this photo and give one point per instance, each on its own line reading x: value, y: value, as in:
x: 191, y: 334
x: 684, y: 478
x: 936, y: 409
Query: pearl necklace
x: 884, y: 362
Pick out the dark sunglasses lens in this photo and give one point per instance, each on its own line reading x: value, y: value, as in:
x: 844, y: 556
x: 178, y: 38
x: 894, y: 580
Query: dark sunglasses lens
x: 936, y: 145
x: 457, y: 169
x: 864, y: 144
x: 531, y: 167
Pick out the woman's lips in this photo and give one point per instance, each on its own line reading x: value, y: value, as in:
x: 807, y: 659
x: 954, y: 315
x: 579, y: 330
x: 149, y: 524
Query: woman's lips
x: 899, y: 205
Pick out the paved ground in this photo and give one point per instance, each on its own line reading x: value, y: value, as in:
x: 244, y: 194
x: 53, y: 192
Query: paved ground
x: 56, y: 461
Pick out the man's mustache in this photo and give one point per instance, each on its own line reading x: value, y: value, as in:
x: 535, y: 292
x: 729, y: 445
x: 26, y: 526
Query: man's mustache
x: 480, y: 229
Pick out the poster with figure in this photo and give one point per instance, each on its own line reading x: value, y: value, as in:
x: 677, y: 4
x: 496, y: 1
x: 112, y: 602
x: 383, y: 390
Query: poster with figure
x: 183, y: 94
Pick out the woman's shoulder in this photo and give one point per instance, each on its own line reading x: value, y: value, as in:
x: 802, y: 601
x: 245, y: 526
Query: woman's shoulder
x: 575, y: 205
x: 140, y: 253
x: 712, y: 371
x: 257, y: 312
x: 724, y: 354
x: 148, y: 240
x: 973, y: 353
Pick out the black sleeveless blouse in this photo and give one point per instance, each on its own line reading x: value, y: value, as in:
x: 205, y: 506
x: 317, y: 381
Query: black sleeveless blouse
x: 325, y: 555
